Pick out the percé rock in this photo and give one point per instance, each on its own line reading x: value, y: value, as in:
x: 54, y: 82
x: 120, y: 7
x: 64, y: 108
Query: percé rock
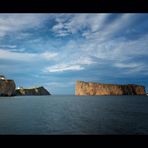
x: 90, y: 88
x: 7, y: 87
x: 31, y: 91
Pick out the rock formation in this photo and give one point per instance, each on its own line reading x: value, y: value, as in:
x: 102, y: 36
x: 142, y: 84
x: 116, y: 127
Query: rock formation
x: 31, y: 91
x: 90, y: 88
x: 7, y: 87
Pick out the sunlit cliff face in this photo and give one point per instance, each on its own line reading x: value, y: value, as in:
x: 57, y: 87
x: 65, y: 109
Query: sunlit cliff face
x: 89, y: 88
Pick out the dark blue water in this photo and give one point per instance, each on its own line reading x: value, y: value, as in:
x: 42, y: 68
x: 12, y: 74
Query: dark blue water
x: 74, y: 115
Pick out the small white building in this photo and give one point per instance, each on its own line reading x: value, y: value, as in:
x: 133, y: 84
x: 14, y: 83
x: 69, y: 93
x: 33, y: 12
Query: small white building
x: 20, y: 87
x: 2, y: 77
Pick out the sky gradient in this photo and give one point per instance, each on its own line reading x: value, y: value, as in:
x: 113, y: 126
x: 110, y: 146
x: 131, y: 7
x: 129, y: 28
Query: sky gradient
x: 55, y: 50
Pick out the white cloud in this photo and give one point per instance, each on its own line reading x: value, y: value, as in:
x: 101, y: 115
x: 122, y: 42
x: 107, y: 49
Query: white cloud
x: 63, y: 67
x: 76, y: 54
x: 76, y: 22
x: 127, y: 65
x: 18, y: 50
x: 118, y: 24
x: 84, y: 61
x: 134, y: 69
x: 23, y: 56
x: 92, y: 26
x: 117, y: 52
x: 99, y: 40
x: 16, y: 22
x: 58, y: 29
x: 115, y: 49
x: 8, y: 46
x: 49, y: 55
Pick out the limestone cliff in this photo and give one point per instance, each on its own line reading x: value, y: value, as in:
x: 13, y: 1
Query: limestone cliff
x: 7, y: 88
x: 90, y: 88
x: 31, y: 91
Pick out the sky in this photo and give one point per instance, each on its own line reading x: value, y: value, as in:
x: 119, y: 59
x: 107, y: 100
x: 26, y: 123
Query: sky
x: 56, y: 49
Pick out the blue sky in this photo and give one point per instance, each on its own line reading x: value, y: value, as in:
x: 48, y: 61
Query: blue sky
x: 55, y: 50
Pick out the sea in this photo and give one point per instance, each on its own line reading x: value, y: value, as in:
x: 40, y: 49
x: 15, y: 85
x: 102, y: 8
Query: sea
x: 74, y: 115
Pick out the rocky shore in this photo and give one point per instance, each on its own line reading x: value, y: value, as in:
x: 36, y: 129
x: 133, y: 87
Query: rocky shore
x: 8, y: 88
x: 32, y: 91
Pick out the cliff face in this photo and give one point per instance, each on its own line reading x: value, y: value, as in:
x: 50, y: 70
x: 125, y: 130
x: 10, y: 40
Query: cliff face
x: 32, y: 91
x: 7, y: 88
x: 89, y: 88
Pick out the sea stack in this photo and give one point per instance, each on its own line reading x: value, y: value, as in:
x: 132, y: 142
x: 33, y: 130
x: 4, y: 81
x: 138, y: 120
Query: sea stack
x: 91, y: 88
x: 7, y: 87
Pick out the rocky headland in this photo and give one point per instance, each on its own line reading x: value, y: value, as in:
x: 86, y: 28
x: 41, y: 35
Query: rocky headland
x: 8, y: 88
x: 32, y: 91
x: 91, y: 88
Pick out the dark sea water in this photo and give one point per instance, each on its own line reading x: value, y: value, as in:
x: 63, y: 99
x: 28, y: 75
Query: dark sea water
x: 58, y: 115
